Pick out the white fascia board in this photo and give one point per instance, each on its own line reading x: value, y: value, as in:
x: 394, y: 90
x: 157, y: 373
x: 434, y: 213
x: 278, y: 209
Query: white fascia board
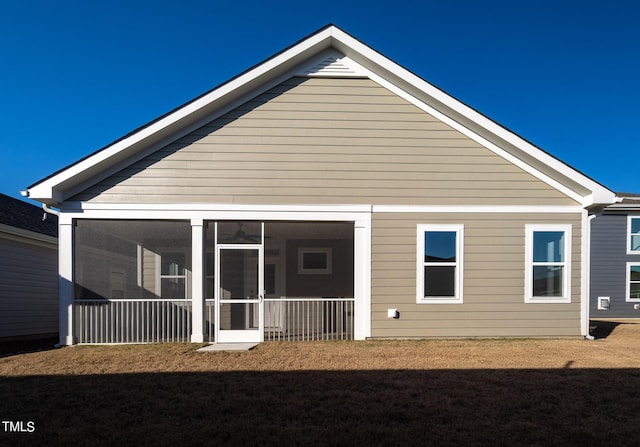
x: 85, y: 206
x: 481, y: 140
x: 48, y: 190
x: 311, y: 212
x: 401, y: 74
x: 290, y: 216
x: 380, y: 67
x: 520, y: 209
x: 419, y: 88
x: 354, y: 213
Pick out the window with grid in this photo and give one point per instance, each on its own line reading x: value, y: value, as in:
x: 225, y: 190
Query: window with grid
x: 547, y: 278
x: 633, y: 281
x: 439, y: 274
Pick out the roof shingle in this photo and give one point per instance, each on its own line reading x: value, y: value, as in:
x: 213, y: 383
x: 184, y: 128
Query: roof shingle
x: 19, y: 214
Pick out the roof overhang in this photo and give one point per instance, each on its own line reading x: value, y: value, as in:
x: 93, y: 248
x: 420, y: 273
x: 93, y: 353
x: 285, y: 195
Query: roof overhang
x: 625, y: 203
x: 63, y: 184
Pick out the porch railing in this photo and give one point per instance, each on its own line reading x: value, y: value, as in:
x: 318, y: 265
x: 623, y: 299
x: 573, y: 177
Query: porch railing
x: 132, y: 321
x: 161, y: 320
x: 289, y: 318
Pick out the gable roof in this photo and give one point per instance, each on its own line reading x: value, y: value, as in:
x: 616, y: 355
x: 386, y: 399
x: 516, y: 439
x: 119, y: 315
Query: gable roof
x: 18, y: 214
x: 327, y: 52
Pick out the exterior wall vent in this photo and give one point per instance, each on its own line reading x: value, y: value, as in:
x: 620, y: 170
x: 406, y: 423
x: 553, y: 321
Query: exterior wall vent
x: 332, y: 64
x: 603, y: 302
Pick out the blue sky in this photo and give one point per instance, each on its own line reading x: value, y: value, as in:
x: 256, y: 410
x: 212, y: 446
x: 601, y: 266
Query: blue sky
x: 77, y: 75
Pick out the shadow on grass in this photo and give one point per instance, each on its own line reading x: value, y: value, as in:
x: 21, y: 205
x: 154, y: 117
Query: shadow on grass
x: 23, y: 346
x: 327, y: 408
x: 604, y: 328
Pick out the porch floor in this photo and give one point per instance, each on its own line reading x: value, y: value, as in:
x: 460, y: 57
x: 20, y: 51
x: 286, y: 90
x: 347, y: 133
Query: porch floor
x: 228, y: 347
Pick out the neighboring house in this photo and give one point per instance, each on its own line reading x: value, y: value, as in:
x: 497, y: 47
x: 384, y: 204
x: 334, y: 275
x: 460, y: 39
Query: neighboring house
x: 28, y: 270
x: 615, y: 260
x: 325, y: 193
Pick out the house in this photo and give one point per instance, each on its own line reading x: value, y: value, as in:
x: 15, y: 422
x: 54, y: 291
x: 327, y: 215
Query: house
x: 615, y: 260
x: 28, y: 270
x: 327, y: 192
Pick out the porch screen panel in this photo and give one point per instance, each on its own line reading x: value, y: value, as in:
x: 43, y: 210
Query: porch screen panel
x: 309, y: 259
x: 132, y: 259
x: 309, y: 280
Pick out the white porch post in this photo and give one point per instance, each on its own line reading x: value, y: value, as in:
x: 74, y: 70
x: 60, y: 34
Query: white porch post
x: 362, y: 277
x: 65, y: 280
x: 585, y: 266
x: 197, y: 280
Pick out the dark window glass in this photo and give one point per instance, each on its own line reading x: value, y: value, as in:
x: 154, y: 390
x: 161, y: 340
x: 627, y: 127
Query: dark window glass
x: 314, y: 261
x: 439, y: 281
x: 547, y: 281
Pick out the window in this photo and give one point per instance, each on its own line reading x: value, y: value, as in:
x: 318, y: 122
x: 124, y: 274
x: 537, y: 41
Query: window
x: 548, y: 261
x: 173, y: 275
x: 439, y: 274
x: 633, y: 235
x: 314, y: 261
x: 633, y: 281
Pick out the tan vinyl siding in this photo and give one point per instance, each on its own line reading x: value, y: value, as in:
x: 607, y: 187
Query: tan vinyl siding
x: 493, y: 272
x: 325, y: 141
x: 28, y: 287
x: 151, y: 272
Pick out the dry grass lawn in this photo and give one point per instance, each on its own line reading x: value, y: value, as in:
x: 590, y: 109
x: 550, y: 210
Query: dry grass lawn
x: 373, y: 393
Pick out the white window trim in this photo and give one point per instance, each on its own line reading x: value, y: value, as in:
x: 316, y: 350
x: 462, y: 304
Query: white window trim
x: 162, y: 251
x: 566, y: 277
x: 458, y: 298
x: 627, y: 294
x: 629, y: 251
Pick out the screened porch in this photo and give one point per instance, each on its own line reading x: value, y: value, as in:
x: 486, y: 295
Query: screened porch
x: 134, y: 281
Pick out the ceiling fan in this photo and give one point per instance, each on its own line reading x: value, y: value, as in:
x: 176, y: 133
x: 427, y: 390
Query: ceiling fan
x: 241, y: 237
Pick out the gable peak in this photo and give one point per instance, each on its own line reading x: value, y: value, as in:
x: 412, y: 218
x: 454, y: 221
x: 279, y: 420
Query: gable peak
x: 331, y: 63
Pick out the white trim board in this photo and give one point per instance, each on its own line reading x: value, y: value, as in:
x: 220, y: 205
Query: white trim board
x: 88, y: 207
x: 630, y: 220
x: 627, y: 293
x: 361, y: 59
x: 530, y: 230
x: 475, y: 209
x: 292, y: 212
x: 481, y: 140
x: 219, y: 215
x: 458, y: 264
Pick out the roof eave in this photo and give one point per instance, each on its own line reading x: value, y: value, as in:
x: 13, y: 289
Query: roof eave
x: 52, y: 190
x: 589, y: 192
x: 57, y: 187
